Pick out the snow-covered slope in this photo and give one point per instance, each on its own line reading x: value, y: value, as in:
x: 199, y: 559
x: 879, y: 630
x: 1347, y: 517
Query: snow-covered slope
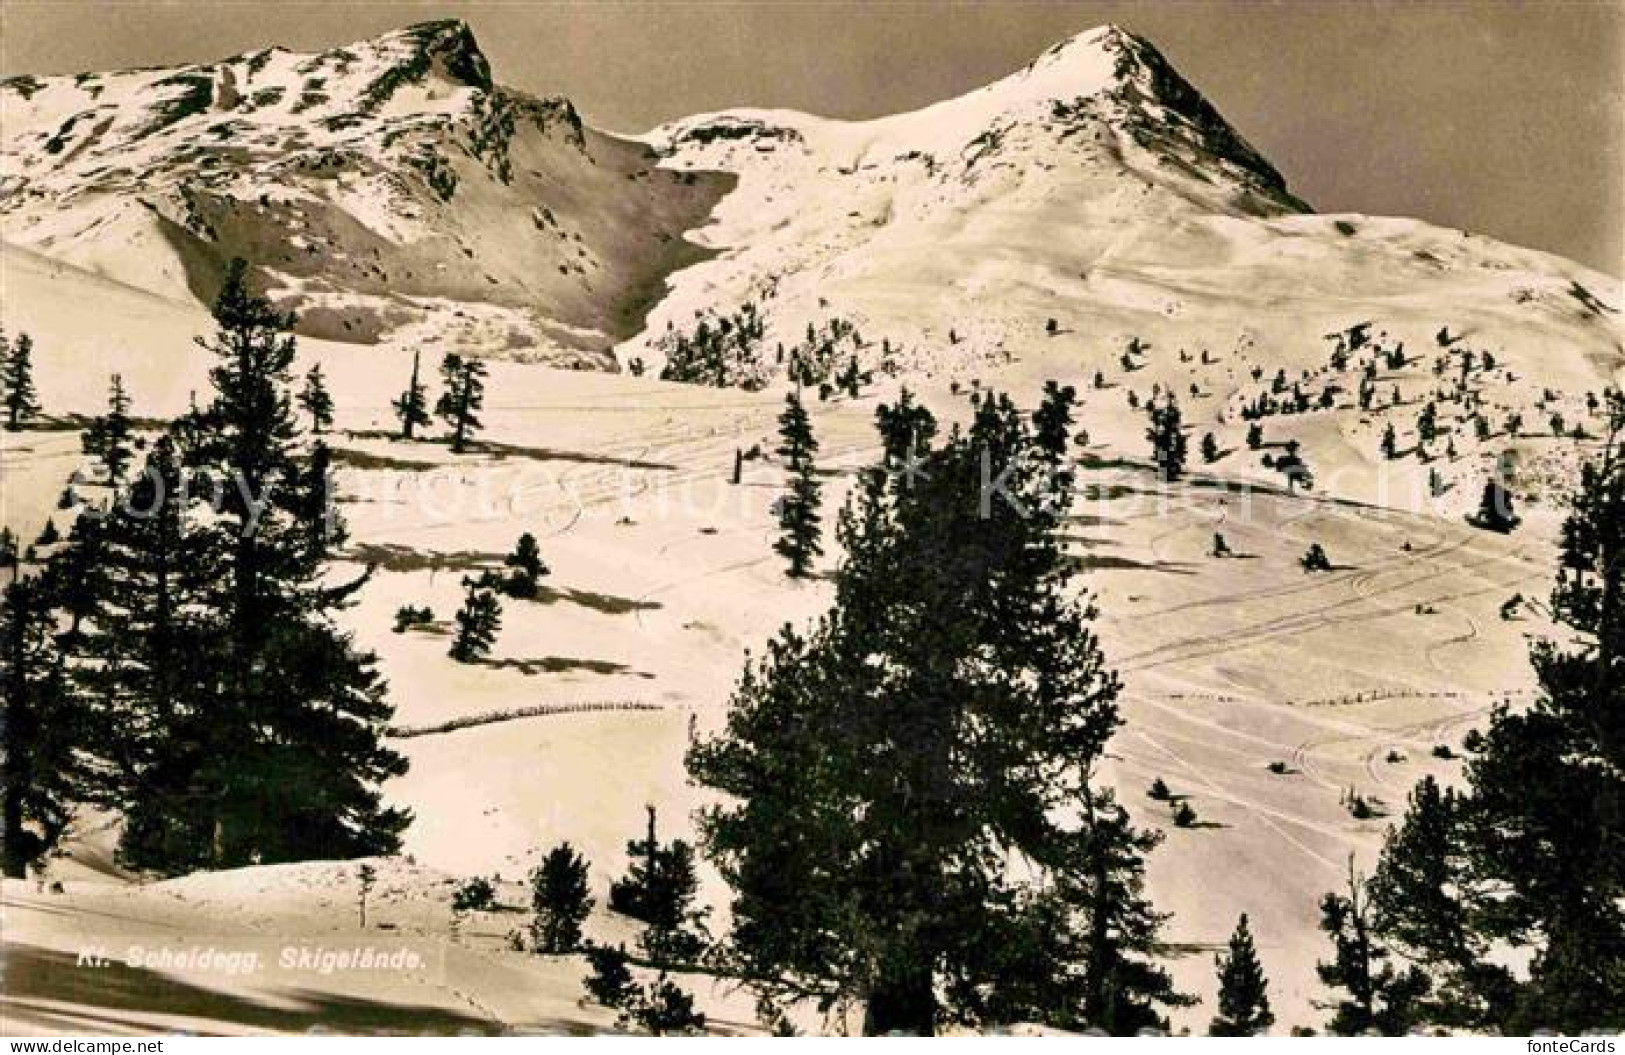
x: 387, y: 187
x: 1094, y: 186
x: 1039, y: 226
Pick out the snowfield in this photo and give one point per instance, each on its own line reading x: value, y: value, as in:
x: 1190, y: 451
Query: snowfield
x: 1094, y: 188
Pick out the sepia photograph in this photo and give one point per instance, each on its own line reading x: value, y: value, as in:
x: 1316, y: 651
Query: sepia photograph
x: 811, y: 518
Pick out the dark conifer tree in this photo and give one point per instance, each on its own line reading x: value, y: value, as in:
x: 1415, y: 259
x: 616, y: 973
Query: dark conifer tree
x: 43, y: 728
x: 412, y: 405
x: 659, y: 1007
x: 1244, y: 1002
x: 464, y: 395
x: 108, y: 437
x: 147, y: 659
x: 477, y: 623
x: 675, y: 931
x: 312, y: 504
x: 1167, y: 438
x: 295, y: 741
x: 1390, y: 442
x: 316, y: 400
x: 1052, y: 421
x: 852, y: 379
x: 70, y: 576
x: 39, y: 763
x: 1427, y: 424
x: 626, y: 895
x: 1420, y: 904
x: 17, y: 378
x: 947, y: 715
x: 1210, y: 448
x: 524, y: 580
x: 800, y: 538
x: 561, y: 900
x: 610, y: 983
x: 659, y: 889
x: 1495, y: 512
x: 1377, y: 996
x: 1052, y: 431
x: 906, y: 430
x: 664, y: 1009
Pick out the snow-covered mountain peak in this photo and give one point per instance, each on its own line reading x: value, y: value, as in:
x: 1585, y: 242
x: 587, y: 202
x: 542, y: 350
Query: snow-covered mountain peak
x: 1111, y: 74
x: 446, y: 47
x: 392, y: 191
x: 383, y: 186
x: 1103, y: 99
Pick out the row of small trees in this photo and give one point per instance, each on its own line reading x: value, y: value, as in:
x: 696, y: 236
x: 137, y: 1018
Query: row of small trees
x: 659, y: 890
x: 463, y: 381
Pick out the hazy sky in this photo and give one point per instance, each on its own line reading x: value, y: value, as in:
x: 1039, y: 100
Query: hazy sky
x: 1500, y: 116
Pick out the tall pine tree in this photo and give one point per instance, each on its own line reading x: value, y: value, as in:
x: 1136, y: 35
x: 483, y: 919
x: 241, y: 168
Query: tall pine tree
x: 460, y: 403
x: 1418, y: 907
x: 946, y: 718
x: 147, y: 660
x: 71, y: 573
x: 659, y: 888
x: 1167, y: 437
x: 561, y: 901
x: 412, y: 405
x: 906, y: 430
x: 42, y: 728
x: 108, y: 436
x: 478, y: 621
x: 1244, y: 1002
x: 1378, y: 996
x: 800, y: 538
x: 17, y: 379
x: 316, y: 400
x: 295, y: 751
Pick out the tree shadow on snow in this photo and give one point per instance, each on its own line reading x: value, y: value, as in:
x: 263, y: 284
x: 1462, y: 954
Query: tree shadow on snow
x: 563, y: 665
x: 1104, y: 563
